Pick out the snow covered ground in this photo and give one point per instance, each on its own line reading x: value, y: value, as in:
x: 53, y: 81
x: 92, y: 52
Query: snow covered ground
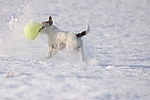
x: 118, y: 49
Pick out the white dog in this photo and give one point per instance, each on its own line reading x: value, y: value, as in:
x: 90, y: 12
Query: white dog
x: 58, y: 39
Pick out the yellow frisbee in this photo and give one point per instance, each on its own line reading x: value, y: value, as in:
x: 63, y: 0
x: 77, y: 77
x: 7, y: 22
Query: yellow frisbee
x: 31, y: 30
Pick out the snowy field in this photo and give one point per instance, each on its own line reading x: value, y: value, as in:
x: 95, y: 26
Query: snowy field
x: 117, y: 48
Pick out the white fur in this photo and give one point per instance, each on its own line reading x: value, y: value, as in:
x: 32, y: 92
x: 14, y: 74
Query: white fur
x: 58, y: 39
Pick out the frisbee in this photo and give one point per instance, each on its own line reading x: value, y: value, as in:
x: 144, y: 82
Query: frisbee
x: 31, y: 30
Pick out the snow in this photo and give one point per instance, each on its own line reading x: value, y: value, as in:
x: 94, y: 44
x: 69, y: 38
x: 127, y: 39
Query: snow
x: 117, y: 48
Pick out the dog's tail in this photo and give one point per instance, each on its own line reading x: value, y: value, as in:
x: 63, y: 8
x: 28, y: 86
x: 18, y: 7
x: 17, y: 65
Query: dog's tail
x: 84, y: 32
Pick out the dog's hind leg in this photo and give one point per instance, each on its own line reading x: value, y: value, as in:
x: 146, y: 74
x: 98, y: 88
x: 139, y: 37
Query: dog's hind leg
x: 82, y: 55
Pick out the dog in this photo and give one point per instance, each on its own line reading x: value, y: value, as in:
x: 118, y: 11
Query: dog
x: 59, y: 39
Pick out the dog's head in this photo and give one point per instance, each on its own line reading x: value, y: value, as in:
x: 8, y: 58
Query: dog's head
x: 47, y: 23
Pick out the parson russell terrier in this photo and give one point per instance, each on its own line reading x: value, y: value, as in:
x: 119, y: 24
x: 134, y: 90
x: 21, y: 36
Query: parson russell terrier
x: 58, y: 39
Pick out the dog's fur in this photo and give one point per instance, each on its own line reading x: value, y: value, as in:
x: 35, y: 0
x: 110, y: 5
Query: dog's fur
x: 58, y: 39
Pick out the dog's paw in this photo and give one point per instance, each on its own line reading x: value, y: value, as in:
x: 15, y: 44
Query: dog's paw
x: 48, y: 57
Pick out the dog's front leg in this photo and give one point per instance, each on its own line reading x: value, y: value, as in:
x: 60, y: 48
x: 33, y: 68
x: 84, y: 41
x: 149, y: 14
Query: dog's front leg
x: 49, y: 52
x: 52, y: 51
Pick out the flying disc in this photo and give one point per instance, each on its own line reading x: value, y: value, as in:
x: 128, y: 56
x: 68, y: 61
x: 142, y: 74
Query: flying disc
x: 31, y: 30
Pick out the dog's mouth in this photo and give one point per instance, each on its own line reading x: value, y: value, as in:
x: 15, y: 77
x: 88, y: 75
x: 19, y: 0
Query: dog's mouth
x: 41, y: 28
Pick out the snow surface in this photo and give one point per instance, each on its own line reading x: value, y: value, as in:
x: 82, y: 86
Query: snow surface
x: 118, y: 49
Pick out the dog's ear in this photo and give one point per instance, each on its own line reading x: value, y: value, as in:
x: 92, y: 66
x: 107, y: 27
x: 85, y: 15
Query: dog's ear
x: 50, y: 20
